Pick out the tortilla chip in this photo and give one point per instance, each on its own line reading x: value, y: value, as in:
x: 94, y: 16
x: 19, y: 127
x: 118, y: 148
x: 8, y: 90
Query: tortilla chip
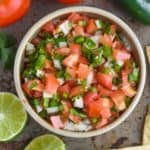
x: 148, y: 53
x: 146, y: 131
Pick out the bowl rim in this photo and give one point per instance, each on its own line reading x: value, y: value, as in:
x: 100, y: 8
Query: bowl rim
x: 58, y: 13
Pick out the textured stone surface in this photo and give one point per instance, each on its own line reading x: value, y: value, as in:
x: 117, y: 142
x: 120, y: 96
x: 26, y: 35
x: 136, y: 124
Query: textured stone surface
x: 129, y: 132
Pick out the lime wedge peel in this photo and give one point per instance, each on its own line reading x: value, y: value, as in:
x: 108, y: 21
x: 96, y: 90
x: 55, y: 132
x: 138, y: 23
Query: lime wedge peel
x: 46, y: 142
x: 13, y: 116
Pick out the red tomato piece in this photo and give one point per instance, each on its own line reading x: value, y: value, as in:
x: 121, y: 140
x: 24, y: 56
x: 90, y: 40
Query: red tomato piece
x: 64, y: 89
x: 75, y: 48
x: 118, y: 97
x: 83, y: 71
x: 57, y: 122
x: 129, y: 90
x: 93, y: 109
x: 91, y: 27
x: 71, y: 60
x: 103, y: 91
x: 48, y: 65
x: 83, y: 60
x: 51, y: 84
x: 75, y: 119
x: 75, y: 91
x: 79, y: 30
x: 48, y: 47
x: 72, y: 71
x: 113, y: 28
x: 64, y: 51
x: 121, y: 55
x: 49, y: 27
x: 74, y: 17
x: 106, y: 40
x: 89, y: 97
x: 36, y: 41
x: 102, y: 123
x: 105, y: 80
x: 39, y: 87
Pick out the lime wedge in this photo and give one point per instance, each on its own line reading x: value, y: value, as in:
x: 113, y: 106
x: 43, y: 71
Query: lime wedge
x: 12, y: 116
x: 46, y: 142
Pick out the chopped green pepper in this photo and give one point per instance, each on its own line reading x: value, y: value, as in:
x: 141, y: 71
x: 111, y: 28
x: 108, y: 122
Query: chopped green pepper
x: 46, y: 102
x: 77, y: 112
x: 79, y: 39
x: 89, y: 44
x: 107, y: 51
x: 134, y: 76
x: 40, y: 62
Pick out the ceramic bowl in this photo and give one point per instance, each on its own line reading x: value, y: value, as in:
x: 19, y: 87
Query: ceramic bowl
x: 90, y: 11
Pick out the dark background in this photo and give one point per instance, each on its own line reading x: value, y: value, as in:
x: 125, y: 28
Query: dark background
x: 129, y: 132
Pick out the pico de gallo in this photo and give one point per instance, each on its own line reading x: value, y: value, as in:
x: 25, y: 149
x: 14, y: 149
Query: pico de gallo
x: 79, y: 73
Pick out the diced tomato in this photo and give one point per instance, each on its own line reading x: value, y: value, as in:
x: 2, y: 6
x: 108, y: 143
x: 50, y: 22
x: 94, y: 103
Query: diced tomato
x: 79, y: 30
x: 75, y: 119
x: 66, y: 110
x: 51, y: 83
x: 76, y: 91
x: 64, y: 51
x: 37, y: 94
x: 113, y: 28
x: 105, y: 112
x: 48, y: 47
x: 105, y: 80
x: 105, y: 105
x: 84, y: 18
x: 124, y: 75
x: 93, y: 109
x: 48, y: 65
x: 83, y: 60
x: 102, y: 123
x: 91, y: 27
x: 126, y: 87
x: 129, y: 90
x: 64, y: 89
x: 26, y: 89
x: 72, y: 71
x: 75, y: 48
x: 36, y: 41
x: 49, y: 27
x: 72, y: 83
x: 103, y: 91
x: 57, y: 122
x: 117, y: 45
x: 121, y: 55
x: 71, y: 60
x: 83, y: 71
x: 39, y: 87
x: 74, y: 17
x: 118, y: 98
x: 89, y: 97
x: 106, y: 40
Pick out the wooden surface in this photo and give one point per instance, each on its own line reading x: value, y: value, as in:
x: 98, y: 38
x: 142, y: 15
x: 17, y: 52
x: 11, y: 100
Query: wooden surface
x: 128, y: 133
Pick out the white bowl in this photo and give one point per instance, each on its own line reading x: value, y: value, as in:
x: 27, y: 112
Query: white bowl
x: 138, y: 54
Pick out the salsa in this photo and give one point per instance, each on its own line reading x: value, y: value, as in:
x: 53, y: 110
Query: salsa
x: 79, y: 73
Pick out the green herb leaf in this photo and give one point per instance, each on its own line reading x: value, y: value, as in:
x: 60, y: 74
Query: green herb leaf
x: 134, y: 76
x: 77, y: 112
x: 7, y: 50
x: 107, y: 51
x: 79, y: 39
x: 89, y: 44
